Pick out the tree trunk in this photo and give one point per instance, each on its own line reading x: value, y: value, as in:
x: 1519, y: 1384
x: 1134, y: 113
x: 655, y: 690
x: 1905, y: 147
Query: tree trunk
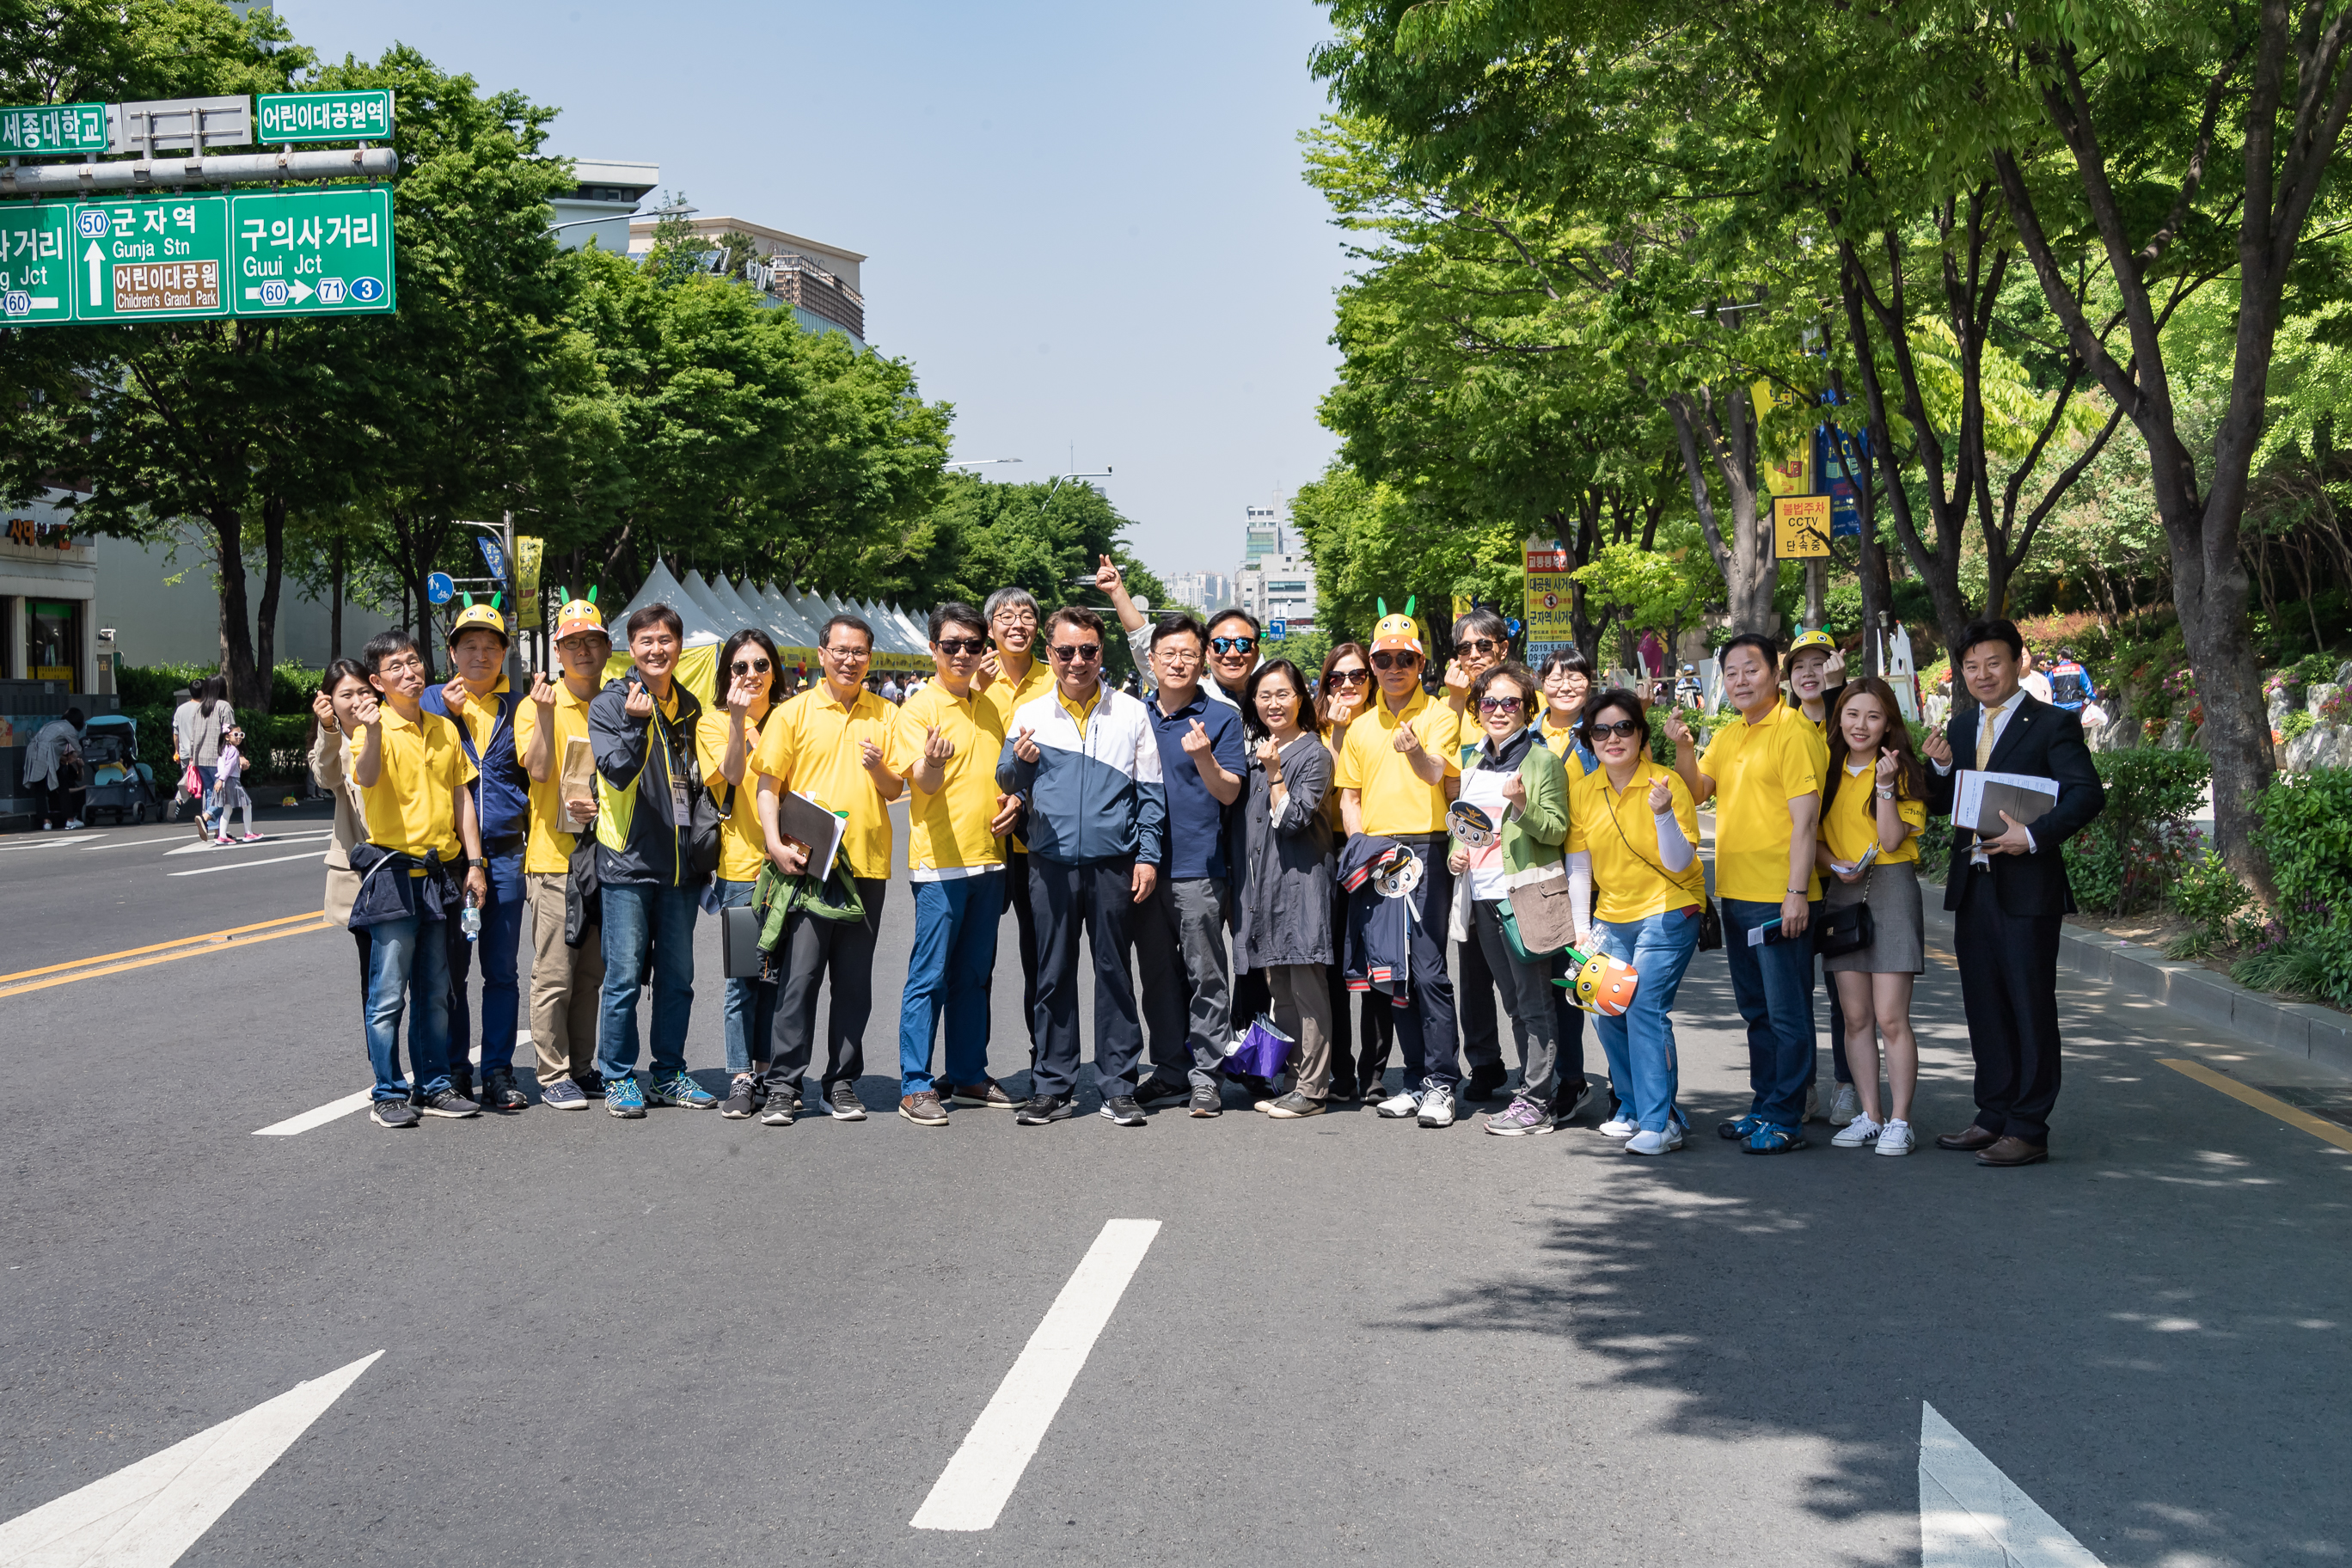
x: 335, y: 599
x: 273, y: 576
x: 1749, y: 572
x: 235, y: 632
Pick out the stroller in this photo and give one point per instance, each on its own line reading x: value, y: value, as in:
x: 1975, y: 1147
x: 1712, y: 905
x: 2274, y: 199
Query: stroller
x: 119, y: 780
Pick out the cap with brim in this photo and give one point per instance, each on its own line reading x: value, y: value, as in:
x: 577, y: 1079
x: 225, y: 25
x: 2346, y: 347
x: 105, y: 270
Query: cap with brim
x: 485, y: 616
x: 1394, y: 633
x: 1814, y: 638
x: 579, y: 615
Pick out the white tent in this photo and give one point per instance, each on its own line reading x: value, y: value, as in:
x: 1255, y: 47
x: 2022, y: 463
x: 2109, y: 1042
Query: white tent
x: 661, y: 588
x: 918, y: 632
x: 886, y: 637
x: 786, y: 619
x: 720, y: 615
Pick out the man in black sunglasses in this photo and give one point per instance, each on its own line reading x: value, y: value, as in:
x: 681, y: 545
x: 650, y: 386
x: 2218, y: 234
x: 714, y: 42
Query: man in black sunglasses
x: 1482, y: 639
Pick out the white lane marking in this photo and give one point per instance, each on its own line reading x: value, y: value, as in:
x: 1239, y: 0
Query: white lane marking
x: 55, y: 839
x: 336, y: 1110
x: 244, y: 865
x: 972, y: 1489
x: 264, y: 842
x: 146, y: 1514
x: 1973, y: 1516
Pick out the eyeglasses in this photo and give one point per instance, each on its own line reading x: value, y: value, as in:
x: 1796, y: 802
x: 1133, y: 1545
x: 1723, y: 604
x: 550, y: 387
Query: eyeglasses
x: 1085, y: 653
x: 748, y: 667
x: 1232, y: 645
x: 1016, y: 618
x: 1623, y: 729
x: 958, y: 648
x: 1179, y: 656
x: 1347, y: 677
x: 1395, y: 661
x: 1480, y: 645
x: 1501, y: 704
x: 848, y: 653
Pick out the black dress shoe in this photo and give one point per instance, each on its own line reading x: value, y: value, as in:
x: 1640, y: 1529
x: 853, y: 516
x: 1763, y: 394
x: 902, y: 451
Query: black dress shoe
x: 1969, y: 1138
x: 2013, y: 1150
x: 1484, y: 1084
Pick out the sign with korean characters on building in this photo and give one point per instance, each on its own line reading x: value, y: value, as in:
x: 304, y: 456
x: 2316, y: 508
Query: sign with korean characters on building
x: 38, y: 130
x: 283, y: 117
x: 314, y: 252
x: 150, y: 258
x: 36, y: 265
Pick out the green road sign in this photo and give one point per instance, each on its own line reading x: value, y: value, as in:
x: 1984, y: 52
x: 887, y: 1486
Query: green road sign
x: 36, y: 265
x: 323, y: 117
x: 151, y: 260
x: 37, y: 128
x: 313, y: 253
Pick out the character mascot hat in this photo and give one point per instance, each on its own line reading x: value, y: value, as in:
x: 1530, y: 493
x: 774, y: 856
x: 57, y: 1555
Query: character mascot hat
x: 486, y: 616
x: 1397, y: 631
x: 579, y: 615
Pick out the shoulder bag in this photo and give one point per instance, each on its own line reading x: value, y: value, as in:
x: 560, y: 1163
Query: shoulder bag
x: 1710, y: 918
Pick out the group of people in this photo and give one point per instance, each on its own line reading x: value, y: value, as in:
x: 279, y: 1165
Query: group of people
x: 1330, y: 868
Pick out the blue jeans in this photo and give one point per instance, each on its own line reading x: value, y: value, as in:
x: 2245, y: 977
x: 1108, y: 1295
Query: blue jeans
x: 408, y: 959
x: 750, y: 1004
x: 501, y: 945
x: 638, y: 916
x: 946, y: 977
x: 1641, y: 1043
x: 1773, y: 985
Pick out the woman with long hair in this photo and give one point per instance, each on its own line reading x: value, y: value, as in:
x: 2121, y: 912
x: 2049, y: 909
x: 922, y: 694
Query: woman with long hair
x: 1342, y: 693
x: 215, y: 719
x: 1874, y: 809
x: 726, y: 742
x: 1283, y: 920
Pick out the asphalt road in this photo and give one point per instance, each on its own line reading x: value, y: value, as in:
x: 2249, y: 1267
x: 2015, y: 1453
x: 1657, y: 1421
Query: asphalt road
x: 687, y: 1341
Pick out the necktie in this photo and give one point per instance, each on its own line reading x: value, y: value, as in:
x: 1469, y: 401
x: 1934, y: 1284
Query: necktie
x: 1984, y: 736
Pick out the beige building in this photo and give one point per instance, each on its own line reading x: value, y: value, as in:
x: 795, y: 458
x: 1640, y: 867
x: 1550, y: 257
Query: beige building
x: 818, y: 282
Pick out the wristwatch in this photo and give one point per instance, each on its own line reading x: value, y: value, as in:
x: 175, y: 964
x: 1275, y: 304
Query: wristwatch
x: 481, y: 860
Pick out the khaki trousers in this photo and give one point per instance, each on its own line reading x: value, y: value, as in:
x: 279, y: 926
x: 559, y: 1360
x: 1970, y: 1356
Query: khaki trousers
x: 566, y: 983
x: 1302, y: 1009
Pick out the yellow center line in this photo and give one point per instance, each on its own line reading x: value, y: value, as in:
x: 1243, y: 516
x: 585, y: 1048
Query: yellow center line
x: 237, y: 939
x: 2270, y: 1105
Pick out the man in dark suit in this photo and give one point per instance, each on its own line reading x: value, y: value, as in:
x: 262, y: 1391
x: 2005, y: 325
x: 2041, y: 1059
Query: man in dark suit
x: 2009, y: 893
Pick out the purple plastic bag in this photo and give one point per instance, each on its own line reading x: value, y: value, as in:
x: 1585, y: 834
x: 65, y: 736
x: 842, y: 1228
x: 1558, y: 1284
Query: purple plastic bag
x: 1263, y: 1051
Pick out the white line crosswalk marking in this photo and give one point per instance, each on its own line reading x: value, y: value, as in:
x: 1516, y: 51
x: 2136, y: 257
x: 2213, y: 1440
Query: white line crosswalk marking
x: 1973, y: 1516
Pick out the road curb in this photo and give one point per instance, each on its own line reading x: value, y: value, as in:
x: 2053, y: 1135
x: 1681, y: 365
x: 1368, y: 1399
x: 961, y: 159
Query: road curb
x: 2314, y: 1034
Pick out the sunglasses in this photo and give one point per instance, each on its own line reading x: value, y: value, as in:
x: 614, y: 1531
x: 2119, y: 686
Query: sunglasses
x: 1623, y: 729
x: 958, y: 647
x: 748, y: 667
x: 1348, y: 677
x: 1085, y: 653
x: 1232, y: 645
x: 1501, y: 704
x: 1395, y: 661
x: 1480, y: 645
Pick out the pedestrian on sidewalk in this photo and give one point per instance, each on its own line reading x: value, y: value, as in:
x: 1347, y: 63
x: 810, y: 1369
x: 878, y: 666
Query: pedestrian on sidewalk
x: 945, y: 744
x: 567, y: 957
x: 1397, y: 773
x: 52, y: 766
x: 2009, y: 892
x: 1764, y: 772
x: 1874, y: 810
x: 642, y: 726
x: 1083, y: 761
x: 229, y: 788
x: 211, y: 722
x: 1284, y: 929
x: 828, y: 744
x: 1634, y: 834
x: 413, y: 776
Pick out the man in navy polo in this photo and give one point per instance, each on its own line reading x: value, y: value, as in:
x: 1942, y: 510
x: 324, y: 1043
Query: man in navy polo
x: 1179, y: 932
x: 478, y: 698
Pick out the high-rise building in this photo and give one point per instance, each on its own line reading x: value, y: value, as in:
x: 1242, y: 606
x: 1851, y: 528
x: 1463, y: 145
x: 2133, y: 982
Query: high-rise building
x: 1279, y: 588
x: 1260, y: 534
x: 1203, y: 591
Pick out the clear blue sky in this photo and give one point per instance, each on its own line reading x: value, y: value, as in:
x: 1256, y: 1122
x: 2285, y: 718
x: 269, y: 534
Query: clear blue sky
x: 1086, y: 221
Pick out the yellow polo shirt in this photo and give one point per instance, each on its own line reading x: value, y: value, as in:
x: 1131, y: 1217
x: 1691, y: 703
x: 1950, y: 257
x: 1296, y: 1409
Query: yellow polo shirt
x: 1080, y: 712
x: 1006, y: 697
x: 412, y: 807
x: 481, y: 714
x: 811, y: 746
x: 1621, y: 834
x: 1849, y: 824
x: 1395, y: 801
x: 548, y: 846
x: 1757, y: 770
x: 1563, y: 741
x: 742, y: 842
x: 947, y: 833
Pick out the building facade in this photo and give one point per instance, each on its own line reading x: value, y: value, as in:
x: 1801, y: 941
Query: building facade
x: 599, y: 207
x: 817, y: 282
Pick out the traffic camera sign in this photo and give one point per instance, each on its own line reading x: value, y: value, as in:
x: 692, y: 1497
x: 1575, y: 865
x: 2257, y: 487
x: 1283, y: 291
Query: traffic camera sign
x: 36, y: 265
x: 312, y: 253
x: 150, y: 260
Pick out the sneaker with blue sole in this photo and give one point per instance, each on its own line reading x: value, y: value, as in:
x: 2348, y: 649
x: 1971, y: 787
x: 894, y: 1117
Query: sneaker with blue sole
x: 563, y: 1095
x: 1768, y: 1139
x: 682, y: 1091
x: 1740, y: 1130
x: 622, y: 1098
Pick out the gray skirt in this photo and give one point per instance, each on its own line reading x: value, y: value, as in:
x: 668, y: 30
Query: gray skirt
x: 1898, y: 944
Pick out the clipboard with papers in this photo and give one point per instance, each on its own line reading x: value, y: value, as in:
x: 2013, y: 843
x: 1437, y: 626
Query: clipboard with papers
x: 1982, y: 797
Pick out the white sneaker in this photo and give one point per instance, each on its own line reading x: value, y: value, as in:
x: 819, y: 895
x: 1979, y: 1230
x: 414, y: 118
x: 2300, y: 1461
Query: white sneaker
x: 1403, y: 1104
x: 1846, y: 1106
x: 74, y: 824
x: 1437, y: 1107
x: 1621, y: 1125
x: 1896, y: 1139
x: 1645, y: 1142
x: 1858, y: 1133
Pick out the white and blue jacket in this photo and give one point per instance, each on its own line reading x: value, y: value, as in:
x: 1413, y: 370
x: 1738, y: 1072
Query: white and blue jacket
x: 1094, y: 797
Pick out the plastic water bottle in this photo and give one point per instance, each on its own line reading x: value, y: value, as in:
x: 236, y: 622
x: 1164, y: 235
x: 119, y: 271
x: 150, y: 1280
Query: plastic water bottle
x: 472, y: 920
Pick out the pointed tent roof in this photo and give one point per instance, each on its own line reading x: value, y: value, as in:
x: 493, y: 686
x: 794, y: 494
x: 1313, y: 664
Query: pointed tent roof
x: 886, y: 637
x: 661, y: 588
x: 885, y: 625
x: 803, y: 634
x: 712, y: 606
x: 919, y: 633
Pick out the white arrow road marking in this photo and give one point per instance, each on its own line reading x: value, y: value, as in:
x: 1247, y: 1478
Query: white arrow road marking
x: 972, y: 1489
x: 336, y: 1110
x: 97, y: 259
x: 1973, y: 1516
x: 145, y: 1515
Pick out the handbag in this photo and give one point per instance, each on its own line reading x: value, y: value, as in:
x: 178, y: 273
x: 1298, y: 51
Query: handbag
x: 1262, y: 1052
x: 1536, y: 919
x: 739, y: 942
x: 1847, y: 929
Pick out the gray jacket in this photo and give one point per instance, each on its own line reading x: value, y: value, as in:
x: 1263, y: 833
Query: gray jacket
x: 1282, y: 904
